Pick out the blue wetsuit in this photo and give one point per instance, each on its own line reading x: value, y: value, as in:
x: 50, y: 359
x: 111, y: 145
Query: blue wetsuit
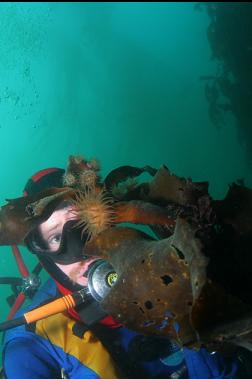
x: 52, y: 350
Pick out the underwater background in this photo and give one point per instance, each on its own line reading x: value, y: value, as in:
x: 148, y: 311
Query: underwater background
x: 126, y: 83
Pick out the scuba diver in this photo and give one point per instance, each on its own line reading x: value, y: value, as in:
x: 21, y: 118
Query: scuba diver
x: 86, y: 342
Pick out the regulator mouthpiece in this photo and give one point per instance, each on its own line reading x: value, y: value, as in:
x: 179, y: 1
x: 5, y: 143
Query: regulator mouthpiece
x: 101, y: 277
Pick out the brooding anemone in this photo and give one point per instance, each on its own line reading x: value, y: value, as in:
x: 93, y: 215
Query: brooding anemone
x: 69, y: 180
x: 94, y: 211
x: 88, y: 179
x: 81, y: 173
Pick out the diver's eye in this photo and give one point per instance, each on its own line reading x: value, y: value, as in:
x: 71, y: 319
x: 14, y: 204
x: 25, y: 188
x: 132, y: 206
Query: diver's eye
x: 54, y: 241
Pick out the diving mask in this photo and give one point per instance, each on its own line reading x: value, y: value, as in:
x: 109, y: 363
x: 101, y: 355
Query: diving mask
x: 58, y: 237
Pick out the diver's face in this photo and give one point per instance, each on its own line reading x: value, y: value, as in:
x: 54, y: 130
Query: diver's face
x: 51, y: 232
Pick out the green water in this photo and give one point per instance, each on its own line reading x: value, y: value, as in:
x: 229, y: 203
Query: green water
x: 115, y: 81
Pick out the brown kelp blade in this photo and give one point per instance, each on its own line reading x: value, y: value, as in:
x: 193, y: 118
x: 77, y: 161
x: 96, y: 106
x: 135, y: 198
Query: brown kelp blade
x: 140, y: 212
x: 165, y: 187
x: 162, y: 286
x: 153, y: 292
x: 123, y: 173
x: 21, y: 215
